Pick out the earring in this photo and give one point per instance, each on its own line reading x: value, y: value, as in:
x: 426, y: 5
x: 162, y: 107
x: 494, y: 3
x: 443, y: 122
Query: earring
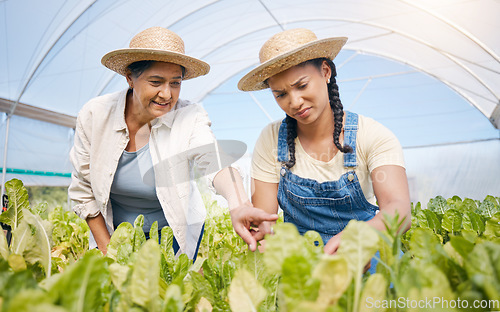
x: 328, y: 80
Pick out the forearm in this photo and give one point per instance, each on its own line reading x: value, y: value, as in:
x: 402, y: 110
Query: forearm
x: 229, y: 184
x: 101, y: 235
x: 401, y: 208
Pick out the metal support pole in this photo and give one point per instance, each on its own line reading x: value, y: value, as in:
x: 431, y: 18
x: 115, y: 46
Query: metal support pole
x: 4, y: 168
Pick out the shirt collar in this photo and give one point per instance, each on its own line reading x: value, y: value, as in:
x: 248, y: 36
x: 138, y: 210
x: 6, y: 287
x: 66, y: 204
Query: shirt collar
x: 119, y: 116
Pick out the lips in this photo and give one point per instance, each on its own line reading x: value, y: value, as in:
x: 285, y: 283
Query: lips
x: 303, y: 113
x: 161, y: 104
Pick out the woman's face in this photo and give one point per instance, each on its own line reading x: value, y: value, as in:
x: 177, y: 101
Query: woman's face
x: 157, y: 89
x: 301, y: 92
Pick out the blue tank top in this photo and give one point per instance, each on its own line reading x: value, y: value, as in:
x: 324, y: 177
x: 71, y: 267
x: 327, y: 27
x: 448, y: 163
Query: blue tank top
x: 133, y: 192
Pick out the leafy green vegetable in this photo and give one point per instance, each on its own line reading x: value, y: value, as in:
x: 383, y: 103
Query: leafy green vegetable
x: 41, y: 244
x: 245, y: 292
x: 153, y: 232
x: 297, y: 283
x: 483, y: 267
x: 173, y: 300
x: 121, y: 242
x: 438, y: 205
x: 4, y: 247
x: 144, y: 284
x: 492, y: 228
x: 452, y: 221
x: 18, y: 201
x: 334, y: 276
x: 359, y: 244
x: 430, y: 220
x: 80, y: 288
x: 374, y: 291
x: 451, y: 251
x: 287, y: 242
x: 473, y: 222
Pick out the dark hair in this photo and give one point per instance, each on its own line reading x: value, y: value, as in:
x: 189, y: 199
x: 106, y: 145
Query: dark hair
x: 137, y: 68
x: 335, y: 105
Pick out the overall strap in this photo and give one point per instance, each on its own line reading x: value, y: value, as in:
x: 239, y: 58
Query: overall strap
x: 282, y: 146
x: 350, y: 131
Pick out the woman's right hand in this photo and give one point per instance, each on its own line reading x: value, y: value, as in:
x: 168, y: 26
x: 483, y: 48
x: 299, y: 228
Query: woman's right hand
x: 246, y: 218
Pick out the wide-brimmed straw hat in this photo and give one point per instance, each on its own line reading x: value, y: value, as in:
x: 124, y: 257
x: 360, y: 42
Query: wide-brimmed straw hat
x: 155, y: 44
x: 285, y: 50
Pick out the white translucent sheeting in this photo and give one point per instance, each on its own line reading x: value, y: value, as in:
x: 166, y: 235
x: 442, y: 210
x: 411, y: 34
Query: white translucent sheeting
x: 50, y: 54
x: 467, y: 170
x: 37, y: 146
x: 452, y: 41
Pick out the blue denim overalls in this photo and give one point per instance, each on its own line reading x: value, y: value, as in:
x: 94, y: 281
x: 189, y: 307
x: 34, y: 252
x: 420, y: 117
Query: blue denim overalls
x: 324, y: 207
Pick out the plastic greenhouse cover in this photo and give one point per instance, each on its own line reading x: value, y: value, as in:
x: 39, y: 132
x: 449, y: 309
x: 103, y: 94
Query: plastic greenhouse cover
x: 428, y: 70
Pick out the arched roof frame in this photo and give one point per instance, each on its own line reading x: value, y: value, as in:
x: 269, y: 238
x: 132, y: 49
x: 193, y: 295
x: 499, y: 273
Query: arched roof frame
x: 451, y: 57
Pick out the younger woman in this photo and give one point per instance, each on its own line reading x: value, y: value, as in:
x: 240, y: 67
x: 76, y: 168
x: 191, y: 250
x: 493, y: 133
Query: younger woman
x: 322, y: 165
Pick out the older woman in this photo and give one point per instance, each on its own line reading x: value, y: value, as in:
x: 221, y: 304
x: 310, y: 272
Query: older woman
x: 120, y: 137
x: 321, y: 165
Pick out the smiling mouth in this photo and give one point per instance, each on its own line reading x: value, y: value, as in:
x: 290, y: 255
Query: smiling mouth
x: 161, y: 104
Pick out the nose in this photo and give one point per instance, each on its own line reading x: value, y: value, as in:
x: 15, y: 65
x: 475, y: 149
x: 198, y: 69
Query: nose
x: 296, y: 100
x: 165, y: 92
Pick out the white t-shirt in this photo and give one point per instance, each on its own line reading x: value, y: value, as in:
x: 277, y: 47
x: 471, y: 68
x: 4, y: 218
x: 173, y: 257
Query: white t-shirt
x: 375, y: 146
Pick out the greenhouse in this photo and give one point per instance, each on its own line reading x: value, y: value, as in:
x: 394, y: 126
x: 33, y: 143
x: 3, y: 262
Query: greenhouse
x: 428, y: 70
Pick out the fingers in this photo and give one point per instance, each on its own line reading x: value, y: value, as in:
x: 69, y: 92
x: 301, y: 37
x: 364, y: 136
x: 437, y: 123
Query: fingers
x: 244, y: 218
x: 258, y: 216
x: 247, y: 237
x: 332, y: 246
x: 258, y: 235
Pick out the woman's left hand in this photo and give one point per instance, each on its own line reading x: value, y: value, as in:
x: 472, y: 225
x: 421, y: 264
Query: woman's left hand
x: 246, y: 216
x: 333, y: 244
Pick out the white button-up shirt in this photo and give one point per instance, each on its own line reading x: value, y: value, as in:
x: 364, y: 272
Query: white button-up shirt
x: 180, y: 141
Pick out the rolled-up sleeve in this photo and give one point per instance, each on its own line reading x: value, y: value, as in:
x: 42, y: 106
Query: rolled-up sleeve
x: 80, y: 189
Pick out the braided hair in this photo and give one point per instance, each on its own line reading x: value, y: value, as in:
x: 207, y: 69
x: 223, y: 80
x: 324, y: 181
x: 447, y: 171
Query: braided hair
x: 335, y: 105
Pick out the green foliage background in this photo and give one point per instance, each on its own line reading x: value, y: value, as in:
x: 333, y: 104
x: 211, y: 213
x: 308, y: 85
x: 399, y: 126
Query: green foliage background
x: 451, y: 252
x: 53, y: 196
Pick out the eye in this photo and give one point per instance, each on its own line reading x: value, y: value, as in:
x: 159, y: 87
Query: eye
x: 175, y: 83
x: 279, y: 95
x: 302, y: 86
x: 155, y: 82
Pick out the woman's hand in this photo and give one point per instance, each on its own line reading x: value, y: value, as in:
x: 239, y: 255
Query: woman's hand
x: 246, y: 217
x: 333, y: 244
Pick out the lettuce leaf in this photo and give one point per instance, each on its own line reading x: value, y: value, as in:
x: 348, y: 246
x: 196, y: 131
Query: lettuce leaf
x: 121, y: 242
x: 18, y: 201
x: 374, y: 291
x: 483, y: 268
x: 438, y: 205
x: 334, y: 276
x: 452, y: 221
x: 80, y: 287
x: 245, y: 293
x: 144, y: 286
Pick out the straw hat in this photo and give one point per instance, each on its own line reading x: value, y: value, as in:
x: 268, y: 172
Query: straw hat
x: 155, y: 44
x: 287, y: 49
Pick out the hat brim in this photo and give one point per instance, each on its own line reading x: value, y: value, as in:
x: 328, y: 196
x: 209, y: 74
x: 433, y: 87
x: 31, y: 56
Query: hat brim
x: 327, y: 48
x: 118, y: 61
